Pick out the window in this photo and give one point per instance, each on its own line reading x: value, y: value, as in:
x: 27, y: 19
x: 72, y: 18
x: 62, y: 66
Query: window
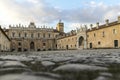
x: 94, y: 34
x: 99, y: 43
x: 103, y: 34
x: 87, y: 35
x: 72, y: 38
x: 13, y: 34
x: 25, y: 34
x: 49, y: 35
x: 44, y: 44
x: 32, y: 35
x: 75, y: 45
x: 19, y: 35
x: 114, y: 31
x: 19, y: 43
x: 44, y: 35
x: 38, y: 35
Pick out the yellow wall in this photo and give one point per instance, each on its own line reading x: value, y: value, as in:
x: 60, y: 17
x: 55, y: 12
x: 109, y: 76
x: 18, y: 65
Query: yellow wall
x: 71, y: 41
x: 106, y: 41
x: 4, y: 42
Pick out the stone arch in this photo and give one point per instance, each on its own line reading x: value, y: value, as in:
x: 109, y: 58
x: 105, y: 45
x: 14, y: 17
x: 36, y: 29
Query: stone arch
x: 81, y: 41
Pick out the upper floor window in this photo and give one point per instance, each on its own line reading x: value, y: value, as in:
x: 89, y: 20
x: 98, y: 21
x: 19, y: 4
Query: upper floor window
x: 32, y: 35
x: 25, y: 34
x: 49, y: 35
x: 38, y: 35
x: 43, y: 35
x: 114, y: 31
x: 103, y: 34
x: 19, y: 35
x: 13, y: 34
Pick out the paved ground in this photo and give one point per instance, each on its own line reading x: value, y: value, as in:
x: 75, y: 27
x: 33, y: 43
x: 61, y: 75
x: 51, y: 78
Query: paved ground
x: 101, y: 64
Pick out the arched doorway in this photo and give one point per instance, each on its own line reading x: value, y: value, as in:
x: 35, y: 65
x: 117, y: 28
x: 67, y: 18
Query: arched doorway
x: 81, y: 42
x: 32, y: 46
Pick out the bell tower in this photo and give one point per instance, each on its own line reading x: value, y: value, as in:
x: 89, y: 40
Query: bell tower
x: 60, y: 26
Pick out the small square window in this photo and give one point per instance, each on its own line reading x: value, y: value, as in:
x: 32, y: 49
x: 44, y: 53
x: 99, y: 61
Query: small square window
x: 44, y: 44
x: 99, y: 43
x: 19, y: 43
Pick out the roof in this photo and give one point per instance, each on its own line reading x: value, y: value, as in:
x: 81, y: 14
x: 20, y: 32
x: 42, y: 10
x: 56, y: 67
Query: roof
x: 4, y: 33
x: 104, y: 26
x: 66, y: 36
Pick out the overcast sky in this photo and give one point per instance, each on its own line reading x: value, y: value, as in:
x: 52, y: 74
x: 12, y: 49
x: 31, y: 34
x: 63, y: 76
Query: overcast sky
x: 49, y: 12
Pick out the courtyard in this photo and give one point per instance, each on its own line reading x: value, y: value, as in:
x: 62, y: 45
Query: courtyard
x: 99, y: 64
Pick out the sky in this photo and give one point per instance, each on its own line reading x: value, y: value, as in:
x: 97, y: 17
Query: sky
x: 73, y: 13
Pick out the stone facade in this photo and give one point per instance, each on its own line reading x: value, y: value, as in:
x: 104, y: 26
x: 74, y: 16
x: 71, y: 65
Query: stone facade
x: 104, y: 36
x: 4, y: 41
x: 32, y: 38
x: 67, y: 41
x: 100, y: 36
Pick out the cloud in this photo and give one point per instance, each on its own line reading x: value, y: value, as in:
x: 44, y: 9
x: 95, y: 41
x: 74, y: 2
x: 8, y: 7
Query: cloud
x: 40, y: 11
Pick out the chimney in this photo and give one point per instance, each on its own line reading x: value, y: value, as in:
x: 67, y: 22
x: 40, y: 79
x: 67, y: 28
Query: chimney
x: 107, y: 22
x: 10, y: 26
x: 19, y: 25
x: 118, y: 19
x: 97, y: 24
x: 91, y: 25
